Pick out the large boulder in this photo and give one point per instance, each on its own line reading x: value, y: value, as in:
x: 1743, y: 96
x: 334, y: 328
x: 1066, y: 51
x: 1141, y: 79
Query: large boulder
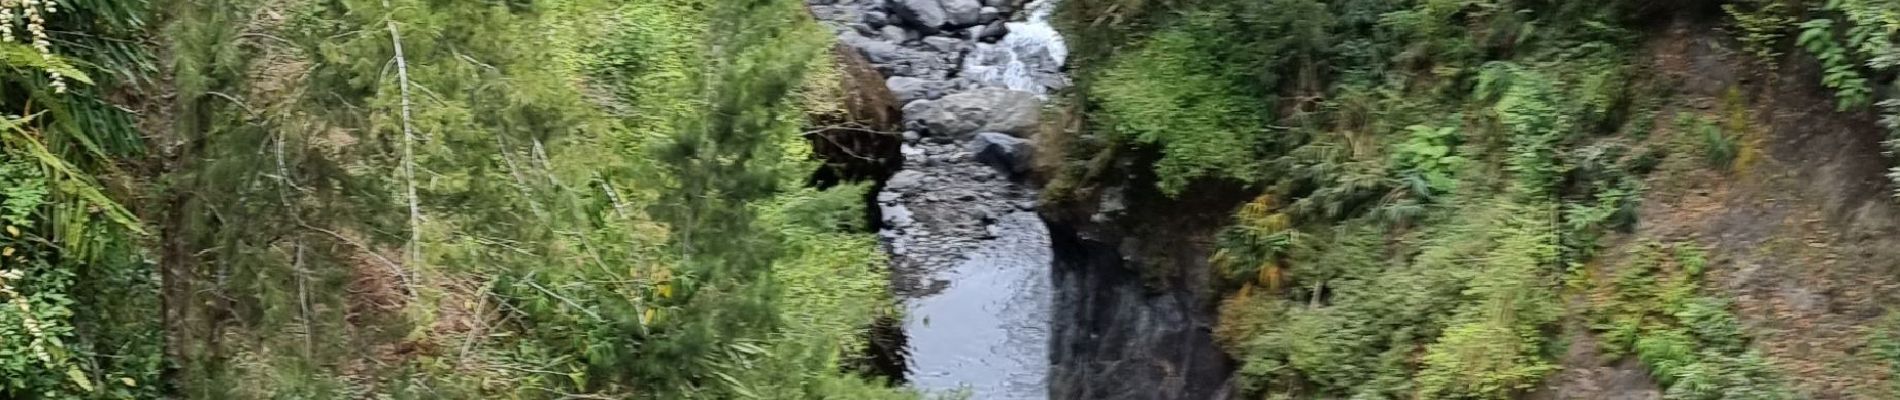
x: 962, y: 12
x: 922, y: 15
x: 904, y: 181
x: 909, y: 89
x: 876, y: 51
x: 983, y: 110
x: 1010, y: 154
x: 945, y: 44
x: 896, y: 60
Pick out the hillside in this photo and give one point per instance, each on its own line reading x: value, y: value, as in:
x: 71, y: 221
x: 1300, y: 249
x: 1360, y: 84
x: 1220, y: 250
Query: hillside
x: 984, y: 199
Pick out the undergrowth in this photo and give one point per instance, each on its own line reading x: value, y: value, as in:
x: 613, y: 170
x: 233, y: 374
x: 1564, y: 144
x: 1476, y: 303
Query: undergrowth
x: 1652, y: 307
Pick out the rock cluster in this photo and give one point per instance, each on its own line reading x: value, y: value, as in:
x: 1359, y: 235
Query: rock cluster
x: 966, y: 144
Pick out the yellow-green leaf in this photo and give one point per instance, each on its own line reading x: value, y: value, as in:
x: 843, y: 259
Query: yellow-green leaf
x: 79, y: 378
x: 76, y: 183
x: 129, y: 382
x: 20, y: 55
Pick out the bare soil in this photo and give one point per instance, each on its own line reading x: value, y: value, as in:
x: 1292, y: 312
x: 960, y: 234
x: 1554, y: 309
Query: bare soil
x: 1802, y: 234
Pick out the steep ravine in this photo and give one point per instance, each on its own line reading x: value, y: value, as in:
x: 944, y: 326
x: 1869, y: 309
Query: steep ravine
x: 969, y: 257
x: 1134, y: 312
x: 997, y: 301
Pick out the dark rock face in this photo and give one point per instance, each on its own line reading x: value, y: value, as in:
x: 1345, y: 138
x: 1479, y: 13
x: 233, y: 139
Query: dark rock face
x: 1114, y: 338
x: 1135, y: 305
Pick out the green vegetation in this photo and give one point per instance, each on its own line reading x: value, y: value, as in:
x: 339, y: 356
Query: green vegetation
x: 416, y: 199
x: 1655, y: 310
x: 1856, y: 39
x: 80, y: 316
x: 1430, y: 172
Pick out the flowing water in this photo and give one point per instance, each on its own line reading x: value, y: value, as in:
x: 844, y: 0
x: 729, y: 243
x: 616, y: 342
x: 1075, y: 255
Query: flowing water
x: 970, y: 259
x: 1029, y: 58
x: 987, y: 332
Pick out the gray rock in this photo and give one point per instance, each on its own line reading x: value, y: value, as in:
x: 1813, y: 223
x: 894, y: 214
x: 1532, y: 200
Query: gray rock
x: 944, y: 44
x: 845, y: 14
x: 983, y: 110
x: 989, y: 15
x: 996, y: 3
x: 894, y: 33
x: 895, y: 60
x: 876, y: 18
x: 908, y: 89
x: 1114, y: 201
x: 887, y: 197
x: 904, y: 180
x: 1007, y: 153
x: 875, y: 51
x: 911, y: 137
x: 919, y: 63
x: 962, y: 12
x: 923, y: 15
x: 897, y: 216
x: 863, y: 29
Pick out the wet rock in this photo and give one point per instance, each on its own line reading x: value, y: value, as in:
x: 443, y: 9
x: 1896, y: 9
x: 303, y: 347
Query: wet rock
x: 924, y: 15
x: 989, y: 15
x: 1006, y: 153
x: 962, y: 12
x: 1114, y: 200
x: 877, y: 51
x: 897, y: 216
x: 905, y: 61
x: 876, y: 18
x: 992, y: 32
x: 904, y: 180
x: 983, y: 110
x: 944, y: 44
x: 894, y: 33
x: 908, y: 89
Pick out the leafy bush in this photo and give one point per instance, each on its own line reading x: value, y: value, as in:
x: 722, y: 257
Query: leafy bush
x: 1167, y: 93
x: 1428, y: 156
x: 1692, y: 344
